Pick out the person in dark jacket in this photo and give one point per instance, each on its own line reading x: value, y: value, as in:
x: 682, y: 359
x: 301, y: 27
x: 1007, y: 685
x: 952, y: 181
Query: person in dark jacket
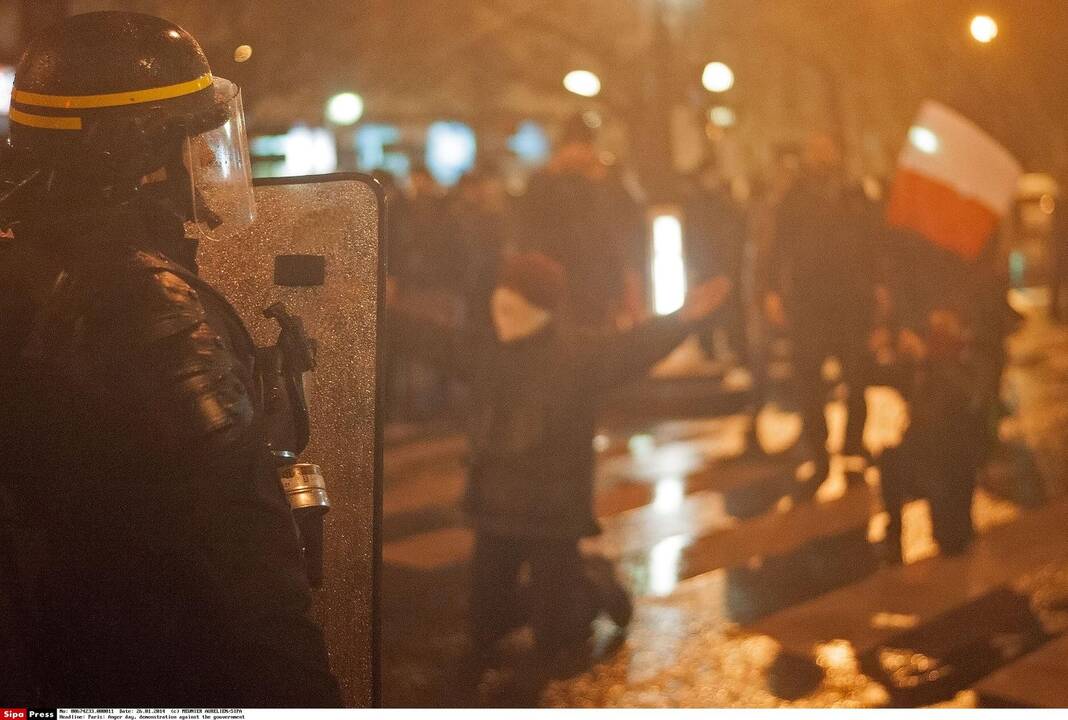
x: 149, y: 551
x: 480, y: 221
x: 822, y: 290
x: 428, y: 256
x: 950, y: 374
x: 577, y: 212
x: 429, y: 264
x: 530, y: 489
x: 716, y: 245
x: 942, y: 449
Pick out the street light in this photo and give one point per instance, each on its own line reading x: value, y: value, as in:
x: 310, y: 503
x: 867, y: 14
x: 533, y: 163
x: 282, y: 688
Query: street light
x: 583, y: 82
x: 344, y: 108
x: 984, y: 28
x: 717, y: 77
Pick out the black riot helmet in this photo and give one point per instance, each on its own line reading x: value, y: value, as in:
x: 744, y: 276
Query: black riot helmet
x: 105, y: 101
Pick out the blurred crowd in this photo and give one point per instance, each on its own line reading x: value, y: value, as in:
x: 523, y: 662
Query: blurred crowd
x: 483, y: 283
x: 804, y: 246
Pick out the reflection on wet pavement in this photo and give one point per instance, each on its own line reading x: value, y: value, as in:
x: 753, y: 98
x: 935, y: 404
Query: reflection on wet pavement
x: 947, y: 655
x: 742, y: 598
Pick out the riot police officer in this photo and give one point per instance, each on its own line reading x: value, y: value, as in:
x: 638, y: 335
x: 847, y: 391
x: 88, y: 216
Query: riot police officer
x: 151, y: 558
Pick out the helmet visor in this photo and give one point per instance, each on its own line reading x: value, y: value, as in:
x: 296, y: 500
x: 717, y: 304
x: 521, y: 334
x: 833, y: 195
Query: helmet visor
x: 220, y: 170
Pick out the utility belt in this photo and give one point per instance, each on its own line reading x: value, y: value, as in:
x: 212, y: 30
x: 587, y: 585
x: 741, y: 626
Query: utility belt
x: 280, y: 373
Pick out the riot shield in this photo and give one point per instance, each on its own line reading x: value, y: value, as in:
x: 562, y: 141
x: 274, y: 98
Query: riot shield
x: 315, y: 247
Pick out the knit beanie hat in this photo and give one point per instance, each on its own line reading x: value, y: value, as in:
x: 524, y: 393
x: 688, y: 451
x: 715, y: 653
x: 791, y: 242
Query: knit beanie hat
x: 539, y: 279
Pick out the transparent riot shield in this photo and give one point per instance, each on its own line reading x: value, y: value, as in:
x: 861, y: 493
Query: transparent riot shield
x: 315, y: 247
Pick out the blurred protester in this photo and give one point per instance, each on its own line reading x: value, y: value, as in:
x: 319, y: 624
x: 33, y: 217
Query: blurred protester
x: 950, y: 374
x: 481, y: 222
x: 822, y: 291
x: 938, y: 456
x: 427, y: 263
x: 763, y: 213
x: 941, y: 450
x: 716, y: 245
x: 578, y: 213
x: 429, y: 259
x: 762, y: 210
x: 530, y: 489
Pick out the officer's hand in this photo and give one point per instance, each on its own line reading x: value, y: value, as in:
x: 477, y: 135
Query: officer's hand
x: 773, y: 309
x: 702, y: 300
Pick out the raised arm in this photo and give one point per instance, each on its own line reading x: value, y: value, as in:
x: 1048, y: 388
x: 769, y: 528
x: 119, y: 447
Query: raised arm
x: 622, y: 357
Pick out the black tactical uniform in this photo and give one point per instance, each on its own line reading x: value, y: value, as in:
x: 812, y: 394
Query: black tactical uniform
x: 150, y: 555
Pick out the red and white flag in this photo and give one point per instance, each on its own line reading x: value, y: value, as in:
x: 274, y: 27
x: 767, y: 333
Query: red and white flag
x: 954, y: 183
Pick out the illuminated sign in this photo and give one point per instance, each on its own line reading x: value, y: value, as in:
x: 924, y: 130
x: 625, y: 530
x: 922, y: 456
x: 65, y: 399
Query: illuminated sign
x: 301, y: 151
x: 450, y: 151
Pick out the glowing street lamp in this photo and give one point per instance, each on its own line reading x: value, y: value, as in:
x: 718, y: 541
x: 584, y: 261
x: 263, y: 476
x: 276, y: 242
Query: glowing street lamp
x: 984, y: 28
x: 717, y: 77
x: 583, y: 82
x: 344, y: 108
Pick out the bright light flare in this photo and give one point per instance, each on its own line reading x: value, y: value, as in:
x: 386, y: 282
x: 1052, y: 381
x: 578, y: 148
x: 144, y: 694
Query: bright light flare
x: 583, y: 82
x: 7, y: 83
x: 344, y: 108
x: 664, y: 561
x: 924, y: 139
x: 717, y: 77
x: 669, y: 493
x: 669, y: 267
x: 984, y: 28
x: 836, y: 655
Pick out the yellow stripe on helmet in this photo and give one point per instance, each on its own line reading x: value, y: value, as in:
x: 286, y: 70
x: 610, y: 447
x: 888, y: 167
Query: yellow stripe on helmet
x: 131, y: 97
x: 48, y: 122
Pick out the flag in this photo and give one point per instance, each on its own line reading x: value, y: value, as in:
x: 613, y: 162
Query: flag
x: 954, y: 183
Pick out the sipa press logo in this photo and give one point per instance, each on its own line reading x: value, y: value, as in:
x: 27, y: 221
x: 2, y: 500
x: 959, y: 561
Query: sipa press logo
x: 13, y: 714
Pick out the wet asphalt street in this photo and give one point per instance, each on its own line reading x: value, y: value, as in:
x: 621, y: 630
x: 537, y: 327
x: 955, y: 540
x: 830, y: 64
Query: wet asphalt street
x: 743, y: 598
